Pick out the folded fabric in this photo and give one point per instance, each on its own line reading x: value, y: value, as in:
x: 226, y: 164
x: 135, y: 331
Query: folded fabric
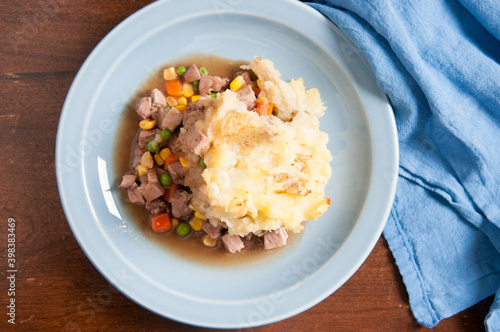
x: 438, y: 62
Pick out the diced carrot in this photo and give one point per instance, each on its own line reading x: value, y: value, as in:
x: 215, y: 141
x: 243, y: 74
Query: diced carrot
x: 161, y: 223
x: 174, y: 87
x: 171, y: 158
x: 169, y: 192
x: 263, y: 107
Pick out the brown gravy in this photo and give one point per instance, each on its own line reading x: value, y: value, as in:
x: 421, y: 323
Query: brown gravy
x: 191, y: 246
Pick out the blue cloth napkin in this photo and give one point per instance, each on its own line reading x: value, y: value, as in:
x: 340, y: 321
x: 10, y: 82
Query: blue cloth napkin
x: 438, y: 62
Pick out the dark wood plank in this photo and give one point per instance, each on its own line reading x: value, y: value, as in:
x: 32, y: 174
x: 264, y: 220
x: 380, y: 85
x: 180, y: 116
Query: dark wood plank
x: 57, y: 288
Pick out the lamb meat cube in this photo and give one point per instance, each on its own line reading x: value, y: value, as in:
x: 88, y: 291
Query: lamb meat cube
x: 152, y: 176
x: 209, y: 83
x: 219, y: 83
x: 247, y: 95
x: 144, y: 107
x: 275, y: 239
x: 135, y: 196
x: 151, y: 191
x: 146, y: 136
x: 156, y: 206
x: 213, y: 231
x: 174, y: 143
x: 191, y: 117
x: 193, y: 113
x: 177, y: 172
x: 141, y: 150
x: 143, y: 179
x: 158, y: 99
x: 128, y: 180
x: 197, y: 107
x: 169, y: 118
x: 197, y: 142
x: 150, y: 187
x: 135, y: 160
x: 180, y: 203
x: 191, y: 74
x: 159, y: 171
x: 245, y: 75
x: 193, y: 177
x: 232, y: 243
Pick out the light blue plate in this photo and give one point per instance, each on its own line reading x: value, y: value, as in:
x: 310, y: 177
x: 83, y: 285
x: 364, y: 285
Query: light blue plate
x: 359, y: 120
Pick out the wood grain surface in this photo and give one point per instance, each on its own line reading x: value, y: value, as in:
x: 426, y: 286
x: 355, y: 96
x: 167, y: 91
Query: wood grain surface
x: 43, y: 43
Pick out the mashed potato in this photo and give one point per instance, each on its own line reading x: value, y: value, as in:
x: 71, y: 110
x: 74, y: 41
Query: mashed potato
x: 264, y: 172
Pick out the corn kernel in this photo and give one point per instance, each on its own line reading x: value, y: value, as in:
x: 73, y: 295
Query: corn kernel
x: 183, y: 161
x: 195, y: 98
x: 159, y: 160
x: 270, y: 109
x: 147, y: 159
x: 182, y: 101
x: 187, y: 90
x: 147, y: 124
x: 169, y: 73
x: 237, y: 83
x: 262, y: 100
x: 142, y: 170
x: 171, y: 101
x: 196, y: 223
x: 200, y: 215
x: 175, y: 222
x: 259, y: 82
x: 164, y: 153
x: 191, y: 206
x: 209, y: 242
x: 181, y: 108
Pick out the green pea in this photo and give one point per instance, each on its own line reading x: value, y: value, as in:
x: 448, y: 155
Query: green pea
x: 181, y: 70
x: 165, y: 179
x: 196, y: 83
x: 203, y: 70
x: 202, y: 163
x: 165, y: 134
x: 183, y: 228
x: 213, y: 95
x: 153, y: 146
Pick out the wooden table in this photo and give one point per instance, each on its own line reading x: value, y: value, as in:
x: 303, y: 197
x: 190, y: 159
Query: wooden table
x: 43, y: 44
